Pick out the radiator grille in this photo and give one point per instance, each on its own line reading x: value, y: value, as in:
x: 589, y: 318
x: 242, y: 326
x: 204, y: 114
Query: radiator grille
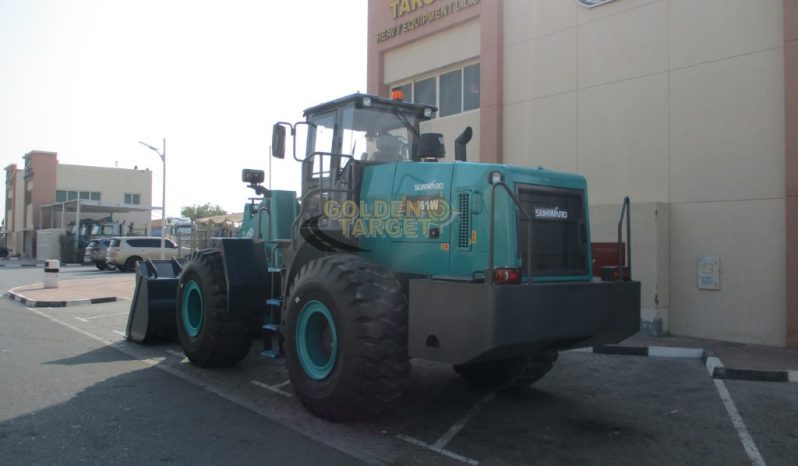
x: 559, y: 234
x: 464, y: 233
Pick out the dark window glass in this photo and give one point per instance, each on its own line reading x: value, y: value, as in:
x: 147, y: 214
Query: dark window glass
x: 95, y: 196
x: 72, y: 195
x: 151, y: 243
x: 85, y: 195
x: 451, y: 93
x: 114, y: 243
x: 425, y: 92
x: 135, y: 243
x: 60, y: 196
x: 471, y: 87
x: 169, y: 244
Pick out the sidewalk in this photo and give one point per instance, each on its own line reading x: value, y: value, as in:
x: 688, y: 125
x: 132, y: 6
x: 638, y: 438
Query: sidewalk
x: 736, y: 355
x: 103, y: 289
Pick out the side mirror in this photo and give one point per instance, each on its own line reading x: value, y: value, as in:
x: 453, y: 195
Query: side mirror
x: 278, y: 141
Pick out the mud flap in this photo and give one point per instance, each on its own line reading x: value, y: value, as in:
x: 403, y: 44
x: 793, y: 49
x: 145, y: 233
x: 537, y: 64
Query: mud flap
x: 153, y: 308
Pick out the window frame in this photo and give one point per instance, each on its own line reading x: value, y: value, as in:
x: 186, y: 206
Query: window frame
x: 436, y: 75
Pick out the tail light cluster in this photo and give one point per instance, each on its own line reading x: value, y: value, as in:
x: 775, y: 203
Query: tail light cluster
x: 506, y: 276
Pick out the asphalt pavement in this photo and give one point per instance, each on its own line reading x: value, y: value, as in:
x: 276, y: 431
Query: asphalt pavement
x: 591, y: 408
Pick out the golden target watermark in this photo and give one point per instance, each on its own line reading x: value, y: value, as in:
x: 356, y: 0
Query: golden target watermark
x: 409, y: 218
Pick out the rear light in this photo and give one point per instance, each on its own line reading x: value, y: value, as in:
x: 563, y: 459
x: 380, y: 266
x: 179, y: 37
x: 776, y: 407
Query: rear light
x: 506, y: 276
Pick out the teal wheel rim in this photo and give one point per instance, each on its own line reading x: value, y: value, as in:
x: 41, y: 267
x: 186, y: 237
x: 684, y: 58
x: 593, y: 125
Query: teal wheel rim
x: 192, y: 309
x: 316, y: 340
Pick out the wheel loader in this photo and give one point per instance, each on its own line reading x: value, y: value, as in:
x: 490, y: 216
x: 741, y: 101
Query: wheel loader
x: 389, y: 253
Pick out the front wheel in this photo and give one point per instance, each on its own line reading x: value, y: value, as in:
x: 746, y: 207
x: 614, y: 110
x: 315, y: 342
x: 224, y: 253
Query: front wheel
x: 210, y: 335
x: 346, y: 338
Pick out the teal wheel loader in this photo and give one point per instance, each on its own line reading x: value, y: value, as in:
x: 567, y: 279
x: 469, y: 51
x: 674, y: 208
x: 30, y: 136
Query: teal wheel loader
x: 390, y: 253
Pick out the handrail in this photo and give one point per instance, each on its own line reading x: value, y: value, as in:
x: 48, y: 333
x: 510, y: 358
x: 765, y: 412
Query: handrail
x: 492, y: 227
x: 625, y: 209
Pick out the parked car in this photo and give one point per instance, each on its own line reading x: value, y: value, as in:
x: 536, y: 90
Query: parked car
x: 125, y: 251
x: 95, y: 253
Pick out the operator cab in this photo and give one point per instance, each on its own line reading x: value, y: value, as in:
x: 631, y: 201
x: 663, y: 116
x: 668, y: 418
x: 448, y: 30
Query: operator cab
x: 346, y: 134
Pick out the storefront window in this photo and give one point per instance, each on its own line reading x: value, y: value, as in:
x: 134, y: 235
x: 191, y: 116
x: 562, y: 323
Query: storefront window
x: 425, y: 92
x: 471, y: 87
x: 451, y: 93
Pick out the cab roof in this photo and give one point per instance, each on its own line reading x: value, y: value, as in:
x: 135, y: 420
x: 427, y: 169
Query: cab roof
x: 357, y: 100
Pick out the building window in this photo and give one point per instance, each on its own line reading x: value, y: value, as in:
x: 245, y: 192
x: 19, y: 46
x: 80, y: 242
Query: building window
x: 132, y: 198
x: 471, y: 87
x: 63, y: 196
x: 426, y: 92
x: 453, y: 92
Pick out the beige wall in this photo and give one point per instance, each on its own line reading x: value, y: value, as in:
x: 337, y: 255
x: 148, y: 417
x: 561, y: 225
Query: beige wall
x: 433, y: 55
x: 679, y: 104
x: 112, y: 183
x: 435, y: 52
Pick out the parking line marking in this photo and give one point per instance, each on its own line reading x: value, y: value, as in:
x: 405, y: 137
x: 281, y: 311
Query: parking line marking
x: 739, y: 425
x: 80, y: 319
x: 272, y: 389
x: 174, y: 353
x: 283, y: 384
x: 119, y: 333
x: 458, y: 426
x: 441, y: 451
x: 85, y: 319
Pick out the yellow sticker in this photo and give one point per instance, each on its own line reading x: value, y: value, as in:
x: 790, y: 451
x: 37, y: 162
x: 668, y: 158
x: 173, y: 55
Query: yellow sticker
x: 473, y: 236
x: 444, y: 246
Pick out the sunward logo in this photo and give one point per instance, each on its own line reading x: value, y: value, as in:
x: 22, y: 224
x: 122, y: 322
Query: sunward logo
x: 551, y: 214
x: 431, y: 186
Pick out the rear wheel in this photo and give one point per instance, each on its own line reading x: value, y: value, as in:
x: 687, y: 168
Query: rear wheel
x: 101, y: 265
x: 211, y: 336
x: 346, y: 338
x: 513, y: 372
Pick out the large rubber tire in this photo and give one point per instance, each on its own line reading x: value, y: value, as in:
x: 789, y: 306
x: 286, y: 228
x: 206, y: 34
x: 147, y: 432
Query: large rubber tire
x: 346, y: 338
x: 514, y: 372
x: 209, y: 334
x: 101, y: 265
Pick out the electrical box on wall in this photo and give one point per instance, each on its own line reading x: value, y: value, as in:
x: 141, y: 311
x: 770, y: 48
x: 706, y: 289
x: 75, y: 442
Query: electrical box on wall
x: 709, y: 272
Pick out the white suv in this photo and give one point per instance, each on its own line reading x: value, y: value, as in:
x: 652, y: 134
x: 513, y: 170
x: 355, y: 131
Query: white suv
x: 125, y: 251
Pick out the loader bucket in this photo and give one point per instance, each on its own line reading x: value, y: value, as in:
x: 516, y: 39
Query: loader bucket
x: 152, y: 311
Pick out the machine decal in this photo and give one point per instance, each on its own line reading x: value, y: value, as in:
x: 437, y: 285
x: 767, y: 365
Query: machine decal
x: 431, y: 186
x: 408, y: 218
x: 552, y: 214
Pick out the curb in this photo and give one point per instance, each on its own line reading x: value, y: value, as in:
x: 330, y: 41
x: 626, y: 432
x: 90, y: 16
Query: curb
x: 714, y: 365
x: 33, y: 266
x: 79, y: 302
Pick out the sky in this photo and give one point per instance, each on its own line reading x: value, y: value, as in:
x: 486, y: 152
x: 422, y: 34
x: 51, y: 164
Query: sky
x: 88, y: 79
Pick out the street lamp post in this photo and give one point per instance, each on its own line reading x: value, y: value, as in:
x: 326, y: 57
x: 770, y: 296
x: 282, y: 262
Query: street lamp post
x: 163, y: 199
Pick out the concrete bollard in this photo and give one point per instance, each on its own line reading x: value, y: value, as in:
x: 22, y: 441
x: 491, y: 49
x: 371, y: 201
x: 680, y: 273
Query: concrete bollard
x: 51, y: 269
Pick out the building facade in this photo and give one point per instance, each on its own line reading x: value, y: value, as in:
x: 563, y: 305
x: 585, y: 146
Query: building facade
x: 690, y: 108
x: 43, y: 181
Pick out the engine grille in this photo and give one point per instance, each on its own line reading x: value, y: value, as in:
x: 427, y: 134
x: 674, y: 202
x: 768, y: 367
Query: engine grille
x: 559, y: 234
x: 464, y: 232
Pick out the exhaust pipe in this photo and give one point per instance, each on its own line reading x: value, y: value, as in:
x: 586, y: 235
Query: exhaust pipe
x: 460, y: 144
